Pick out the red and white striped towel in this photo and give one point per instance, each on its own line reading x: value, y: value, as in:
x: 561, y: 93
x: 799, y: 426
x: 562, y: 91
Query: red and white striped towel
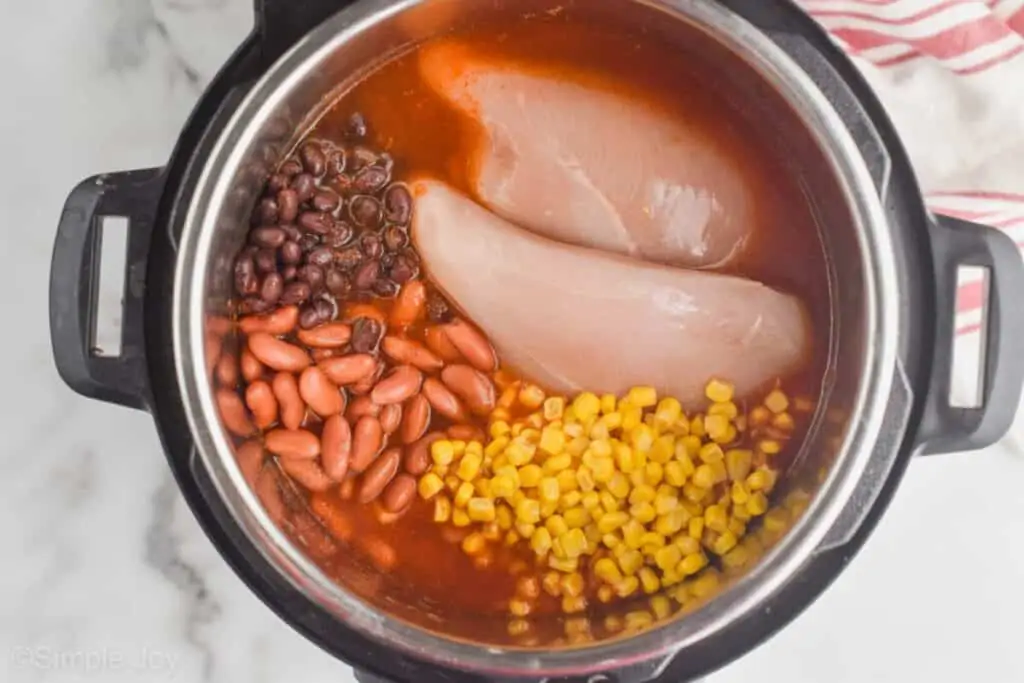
x: 951, y: 75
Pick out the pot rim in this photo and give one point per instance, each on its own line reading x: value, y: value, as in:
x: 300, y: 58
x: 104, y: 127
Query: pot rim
x: 652, y: 648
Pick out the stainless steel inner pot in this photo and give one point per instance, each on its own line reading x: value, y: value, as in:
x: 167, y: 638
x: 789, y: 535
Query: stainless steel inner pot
x: 845, y: 458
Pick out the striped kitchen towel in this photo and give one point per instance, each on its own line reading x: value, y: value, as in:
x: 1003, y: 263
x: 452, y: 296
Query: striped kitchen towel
x: 951, y: 75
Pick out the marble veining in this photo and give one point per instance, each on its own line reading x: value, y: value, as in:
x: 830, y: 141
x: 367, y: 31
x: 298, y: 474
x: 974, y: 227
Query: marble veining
x: 106, y: 575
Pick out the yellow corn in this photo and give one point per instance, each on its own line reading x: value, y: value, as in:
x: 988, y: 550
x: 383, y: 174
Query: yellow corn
x: 606, y: 570
x: 481, y: 510
x: 474, y: 544
x: 573, y: 584
x: 671, y: 522
x: 718, y: 391
x: 554, y: 408
x: 776, y: 401
x: 460, y: 518
x: 692, y: 564
x: 573, y: 605
x: 643, y: 513
x: 586, y: 406
x: 704, y: 477
x: 668, y: 557
x: 531, y: 396
x: 696, y: 528
x: 576, y: 518
x: 552, y: 584
x: 563, y: 565
x: 528, y: 511
x: 757, y: 504
x: 627, y: 586
x: 463, y: 494
x: 556, y: 525
x: 442, y: 509
x: 540, y: 541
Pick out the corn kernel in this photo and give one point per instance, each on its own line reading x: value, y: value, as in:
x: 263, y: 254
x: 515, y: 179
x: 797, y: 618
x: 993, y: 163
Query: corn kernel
x: 567, y: 480
x: 627, y: 586
x: 503, y: 487
x: 464, y: 493
x: 606, y: 570
x: 574, y: 604
x: 665, y: 502
x: 643, y: 513
x: 564, y: 565
x: 430, y: 485
x: 600, y: 431
x: 776, y: 521
x: 692, y: 564
x: 654, y: 473
x: 556, y: 525
x: 573, y: 584
x: 688, y: 545
x: 724, y: 543
x: 696, y: 528
x: 642, y: 438
x: 554, y: 408
x: 452, y: 483
x: 570, y: 499
x: 718, y: 391
x: 642, y: 397
x: 663, y: 449
x: 608, y: 403
x: 525, y: 530
x: 531, y: 396
x: 669, y: 410
x: 460, y: 518
x: 630, y: 561
x: 668, y: 557
x: 602, y: 469
x: 442, y: 510
x: 473, y: 544
x: 671, y: 522
x: 737, y: 463
x: 643, y: 494
x: 716, y: 425
x: 591, y: 501
x: 735, y: 558
x: 737, y: 527
x: 697, y: 426
x: 612, y: 521
x: 769, y: 446
x: 726, y: 409
x: 776, y: 402
x: 618, y: 486
x: 704, y: 585
x: 586, y: 406
x: 552, y: 584
x: 651, y: 541
x: 649, y: 581
x: 758, y: 504
x: 504, y: 517
x: 674, y: 474
x: 469, y: 467
x: 442, y: 452
x: 540, y: 541
x: 611, y: 541
x: 760, y: 480
x: 482, y: 510
x: 557, y: 463
x: 574, y: 543
x: 519, y: 608
x: 739, y: 494
x: 704, y: 477
x: 549, y: 489
x: 585, y: 479
x: 552, y: 440
x: 715, y: 518
x: 576, y: 518
x: 783, y: 422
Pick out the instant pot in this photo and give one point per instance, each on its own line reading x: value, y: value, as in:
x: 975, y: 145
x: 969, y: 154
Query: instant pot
x: 893, y: 287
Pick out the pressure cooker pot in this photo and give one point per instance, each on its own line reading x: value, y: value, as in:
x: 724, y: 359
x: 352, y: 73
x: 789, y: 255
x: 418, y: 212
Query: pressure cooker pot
x: 892, y: 287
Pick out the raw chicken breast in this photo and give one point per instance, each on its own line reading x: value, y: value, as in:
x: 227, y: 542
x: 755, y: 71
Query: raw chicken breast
x: 594, y: 168
x: 572, y: 318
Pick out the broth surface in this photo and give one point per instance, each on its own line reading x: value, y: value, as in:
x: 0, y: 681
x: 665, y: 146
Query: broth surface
x: 426, y: 136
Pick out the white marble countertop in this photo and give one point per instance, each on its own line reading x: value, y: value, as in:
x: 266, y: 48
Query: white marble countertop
x: 106, y: 576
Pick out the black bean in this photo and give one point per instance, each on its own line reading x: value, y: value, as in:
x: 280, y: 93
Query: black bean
x: 395, y: 238
x: 365, y: 211
x: 337, y: 284
x: 313, y: 158
x: 360, y: 157
x: 366, y: 275
x: 266, y: 261
x: 313, y: 276
x: 273, y: 286
x: 308, y: 242
x: 266, y: 211
x: 371, y: 245
x: 291, y: 168
x: 366, y: 334
x: 288, y: 273
x: 387, y: 289
x: 437, y: 308
x: 403, y: 269
x: 348, y: 259
x: 305, y: 186
x: 356, y: 128
x: 268, y: 236
x: 326, y: 200
x: 295, y: 293
x: 370, y: 180
x: 254, y: 304
x: 309, y: 317
x: 339, y: 236
x: 325, y: 309
x: 335, y: 162
x: 246, y: 283
x: 288, y: 205
x: 398, y: 204
x: 291, y: 253
x: 320, y: 256
x: 316, y: 222
x: 275, y: 184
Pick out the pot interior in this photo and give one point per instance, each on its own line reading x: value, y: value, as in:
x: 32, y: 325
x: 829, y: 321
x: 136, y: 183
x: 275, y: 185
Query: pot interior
x: 724, y: 58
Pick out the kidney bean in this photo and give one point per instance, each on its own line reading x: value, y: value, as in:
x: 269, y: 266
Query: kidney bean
x: 363, y: 405
x: 472, y: 386
x: 291, y: 253
x: 390, y: 417
x: 401, y: 384
x: 466, y: 433
x: 246, y: 283
x: 472, y: 344
x: 308, y: 242
x: 309, y: 317
x: 227, y: 370
x: 296, y: 293
x: 355, y: 127
x: 372, y: 245
x: 404, y: 268
x: 398, y: 204
x: 288, y: 273
x: 379, y: 474
x: 366, y: 275
x: 337, y: 284
x: 399, y: 493
x: 253, y: 305
x: 410, y: 304
x: 385, y: 289
x: 232, y: 413
x: 335, y: 162
x: 437, y: 308
x: 280, y: 322
x: 370, y: 180
x: 321, y: 354
x: 365, y: 211
x: 364, y: 386
x: 416, y: 418
x: 293, y: 410
x: 339, y: 235
x: 272, y: 287
x: 380, y: 553
x: 313, y: 158
x: 275, y: 184
x: 321, y: 257
x: 265, y: 260
x: 326, y: 309
x: 326, y: 200
x: 316, y: 222
x: 290, y: 168
x: 268, y: 236
x: 417, y: 457
x: 250, y: 461
x: 266, y: 211
x: 341, y: 183
x: 312, y: 276
x: 269, y: 494
x: 348, y: 259
x: 308, y: 473
x: 366, y: 334
x: 288, y: 205
x: 443, y: 400
x: 367, y: 440
x: 349, y: 369
x: 329, y: 335
x: 395, y: 238
x: 299, y: 444
x: 305, y: 186
x: 277, y: 354
x: 319, y: 393
x: 410, y: 352
x: 251, y: 368
x: 336, y: 447
x: 260, y: 399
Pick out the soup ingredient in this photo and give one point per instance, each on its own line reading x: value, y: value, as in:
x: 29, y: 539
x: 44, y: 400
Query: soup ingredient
x: 630, y: 492
x: 592, y: 167
x: 572, y: 319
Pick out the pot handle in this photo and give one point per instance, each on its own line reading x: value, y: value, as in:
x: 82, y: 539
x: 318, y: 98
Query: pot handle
x: 74, y: 285
x: 946, y: 428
